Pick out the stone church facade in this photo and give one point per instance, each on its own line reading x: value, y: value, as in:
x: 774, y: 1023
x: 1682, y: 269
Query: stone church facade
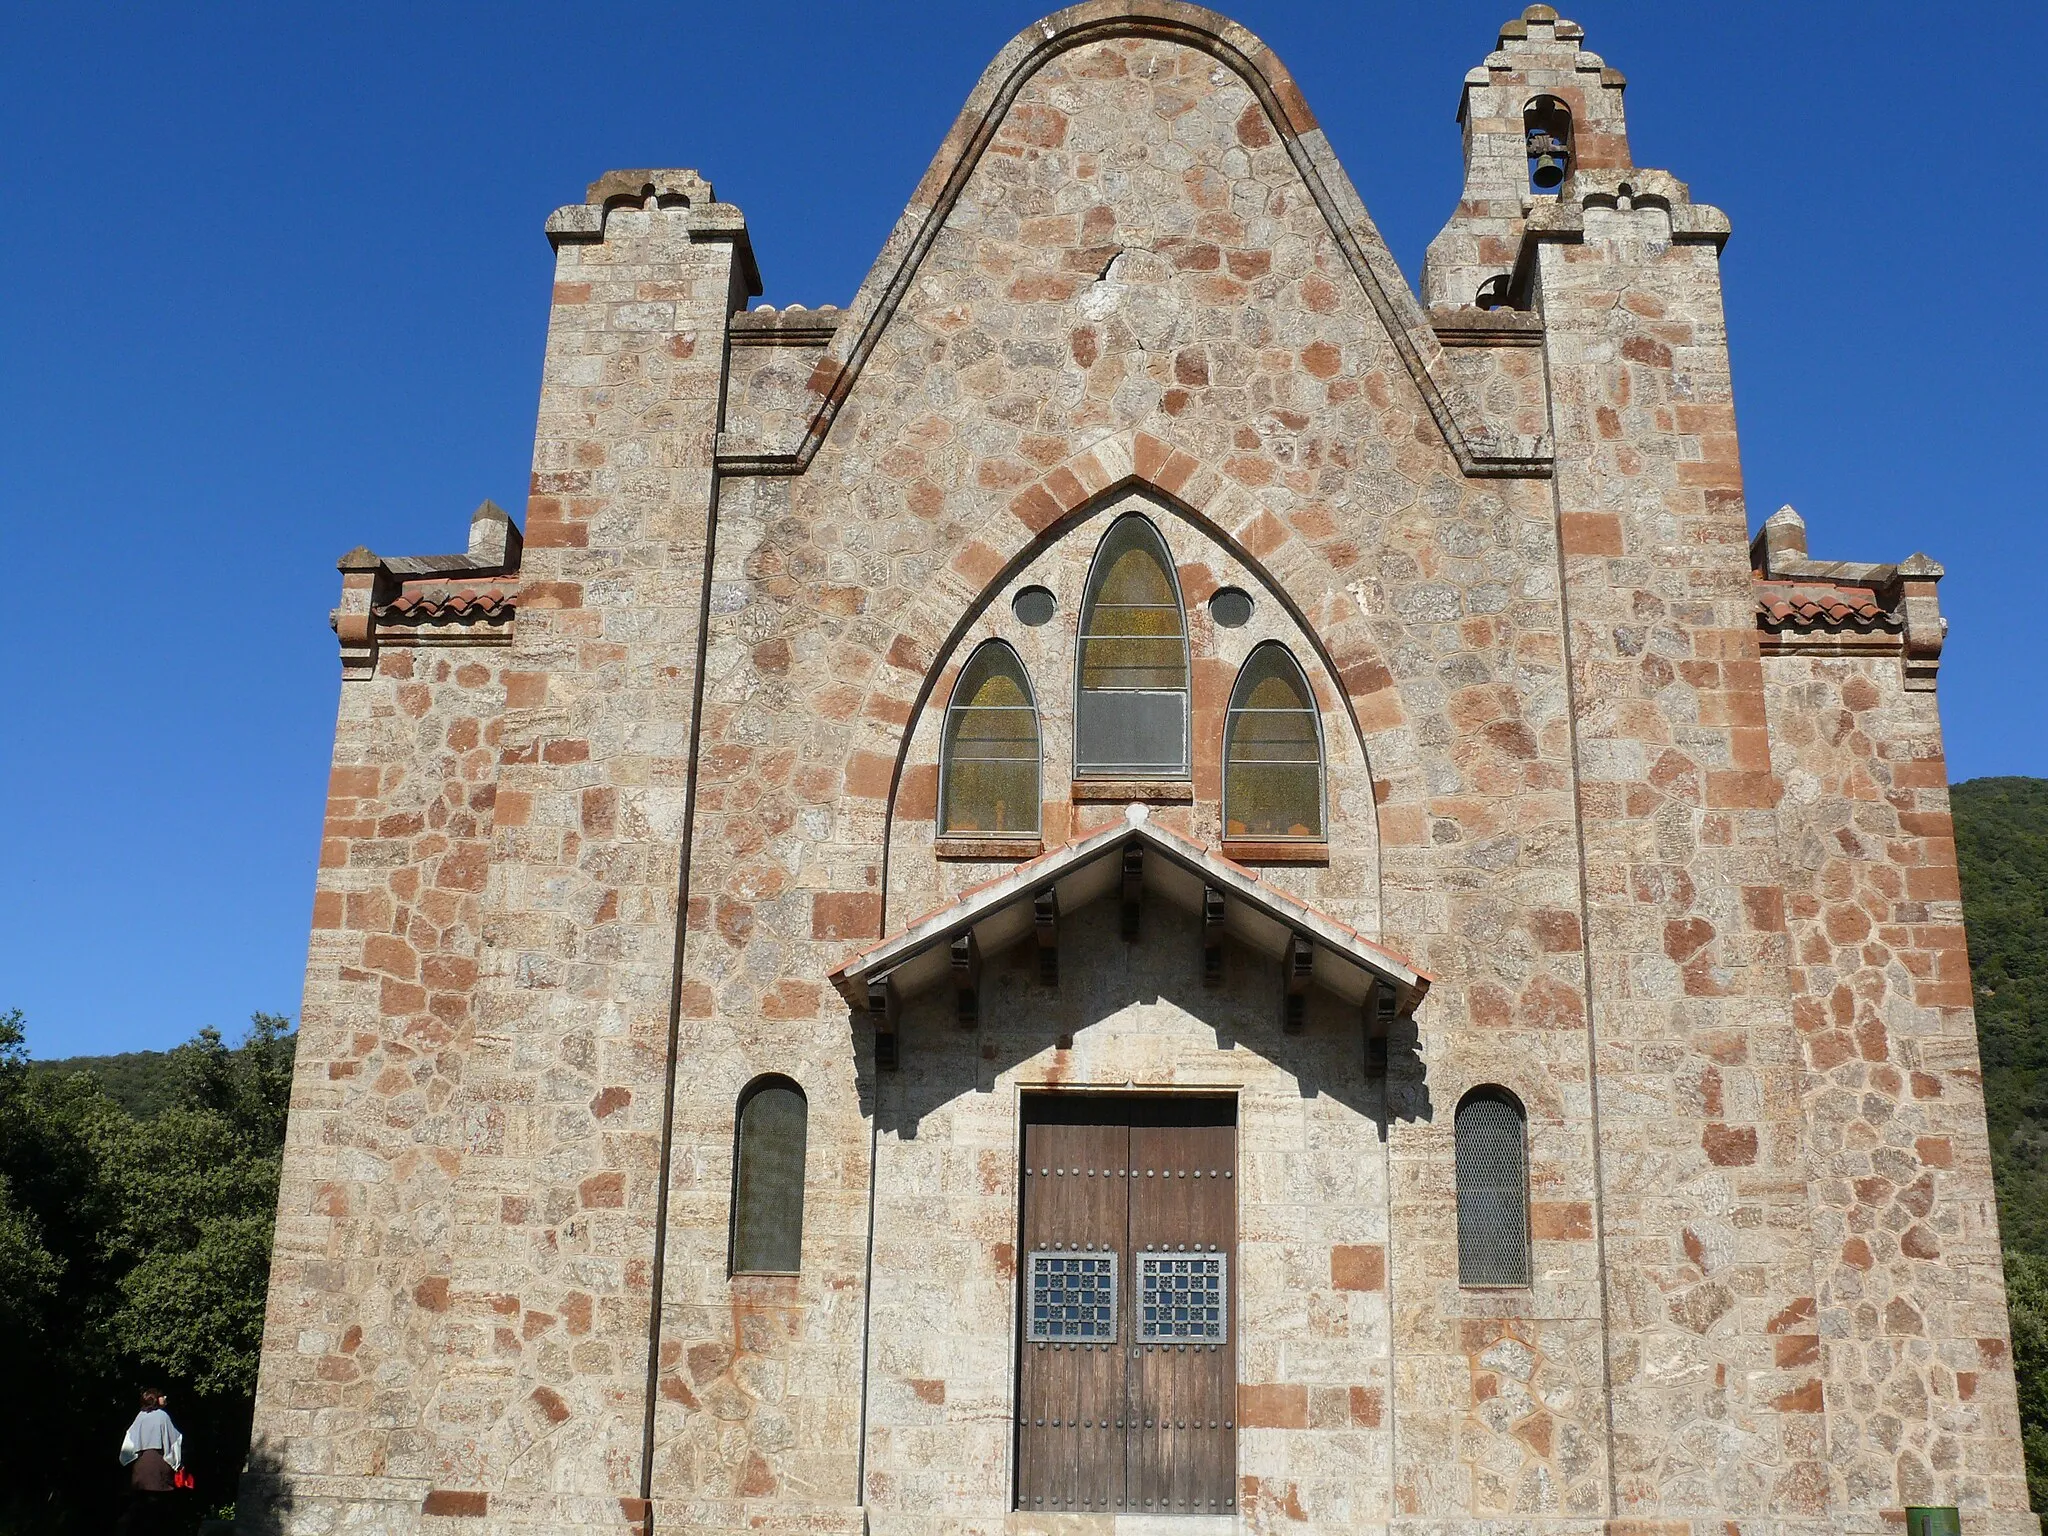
x: 1143, y: 878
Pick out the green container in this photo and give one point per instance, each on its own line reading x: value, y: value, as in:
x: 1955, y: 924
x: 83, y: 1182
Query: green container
x: 1933, y: 1520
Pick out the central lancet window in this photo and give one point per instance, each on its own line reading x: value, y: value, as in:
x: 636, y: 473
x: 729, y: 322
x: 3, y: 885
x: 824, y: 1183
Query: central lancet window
x: 1272, y: 751
x: 989, y: 763
x: 1131, y: 704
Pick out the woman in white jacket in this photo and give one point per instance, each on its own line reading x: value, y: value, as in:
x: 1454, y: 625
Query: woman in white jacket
x: 152, y: 1451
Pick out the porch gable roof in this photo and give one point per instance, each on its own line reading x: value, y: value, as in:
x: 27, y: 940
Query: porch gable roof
x: 999, y: 913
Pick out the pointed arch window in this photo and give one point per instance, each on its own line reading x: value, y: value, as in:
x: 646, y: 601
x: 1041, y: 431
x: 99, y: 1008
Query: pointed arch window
x: 1493, y: 1189
x: 768, y: 1179
x: 990, y: 755
x: 1131, y: 702
x: 1272, y: 751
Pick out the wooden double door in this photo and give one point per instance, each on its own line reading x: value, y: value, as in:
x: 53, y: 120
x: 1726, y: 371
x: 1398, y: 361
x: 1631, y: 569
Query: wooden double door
x: 1127, y: 1377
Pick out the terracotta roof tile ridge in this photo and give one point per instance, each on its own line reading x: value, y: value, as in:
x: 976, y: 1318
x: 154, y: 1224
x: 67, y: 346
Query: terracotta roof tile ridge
x: 442, y: 603
x: 1811, y: 603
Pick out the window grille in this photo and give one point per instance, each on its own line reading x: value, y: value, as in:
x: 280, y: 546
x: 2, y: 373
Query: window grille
x: 1073, y: 1298
x: 768, y: 1179
x: 1272, y: 751
x: 1131, y: 706
x: 990, y: 753
x: 1183, y: 1298
x: 1493, y: 1190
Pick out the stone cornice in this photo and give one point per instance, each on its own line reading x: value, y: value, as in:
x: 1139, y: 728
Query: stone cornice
x: 1562, y: 219
x: 1835, y: 607
x: 465, y: 599
x: 680, y: 193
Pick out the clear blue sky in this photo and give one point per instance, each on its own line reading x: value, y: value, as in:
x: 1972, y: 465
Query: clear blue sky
x: 274, y: 284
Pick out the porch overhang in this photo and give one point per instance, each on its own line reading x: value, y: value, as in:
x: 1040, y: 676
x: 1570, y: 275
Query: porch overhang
x: 1006, y: 911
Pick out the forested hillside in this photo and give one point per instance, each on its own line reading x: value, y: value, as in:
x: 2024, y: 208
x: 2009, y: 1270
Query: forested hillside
x: 135, y: 1080
x: 2002, y: 844
x: 2002, y: 840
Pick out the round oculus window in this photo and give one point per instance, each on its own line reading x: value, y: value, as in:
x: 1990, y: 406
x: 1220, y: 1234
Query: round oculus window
x: 1231, y: 607
x: 1035, y: 606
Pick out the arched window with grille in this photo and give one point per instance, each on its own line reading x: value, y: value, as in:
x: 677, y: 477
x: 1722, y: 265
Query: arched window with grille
x: 1131, y: 702
x: 1272, y: 751
x: 768, y: 1179
x: 988, y: 762
x: 1493, y: 1189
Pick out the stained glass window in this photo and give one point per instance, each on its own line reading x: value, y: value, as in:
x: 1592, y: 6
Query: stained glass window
x: 990, y: 768
x: 768, y: 1179
x: 1272, y: 751
x: 1131, y: 708
x: 1493, y: 1189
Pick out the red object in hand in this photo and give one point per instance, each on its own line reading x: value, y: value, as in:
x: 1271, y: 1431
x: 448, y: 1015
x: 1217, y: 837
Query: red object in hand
x: 183, y: 1478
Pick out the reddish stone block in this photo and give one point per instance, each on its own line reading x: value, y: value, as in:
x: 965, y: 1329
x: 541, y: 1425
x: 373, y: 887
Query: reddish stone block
x: 1557, y: 932
x: 791, y: 1000
x: 1935, y: 1151
x: 1792, y: 1349
x: 456, y: 1503
x: 1800, y: 1311
x: 1742, y: 791
x: 1686, y: 937
x: 1804, y: 1398
x: 1368, y: 1407
x: 1560, y: 1220
x: 353, y: 783
x: 1358, y: 1267
x: 1919, y: 1242
x: 846, y: 915
x: 431, y: 1294
x: 1729, y: 1146
x: 1764, y: 907
x: 869, y: 775
x: 1276, y: 1405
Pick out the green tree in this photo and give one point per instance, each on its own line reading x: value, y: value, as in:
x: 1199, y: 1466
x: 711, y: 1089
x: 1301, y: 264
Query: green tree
x: 29, y: 1272
x: 195, y: 1229
x: 2026, y: 1291
x: 2002, y: 848
x: 132, y: 1249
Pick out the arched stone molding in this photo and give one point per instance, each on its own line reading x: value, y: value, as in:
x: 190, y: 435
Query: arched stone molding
x: 1293, y: 557
x: 1338, y: 873
x: 1479, y: 448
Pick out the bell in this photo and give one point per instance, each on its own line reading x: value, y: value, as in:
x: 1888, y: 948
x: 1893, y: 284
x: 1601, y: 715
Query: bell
x: 1547, y: 174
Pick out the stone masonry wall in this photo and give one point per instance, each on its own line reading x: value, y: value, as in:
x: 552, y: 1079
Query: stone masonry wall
x: 386, y: 1025
x: 1704, y: 1167
x: 543, y: 1410
x: 1133, y: 282
x: 1908, y: 1328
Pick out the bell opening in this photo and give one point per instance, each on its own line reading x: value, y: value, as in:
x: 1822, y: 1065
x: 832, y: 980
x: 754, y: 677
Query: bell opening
x: 1547, y: 129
